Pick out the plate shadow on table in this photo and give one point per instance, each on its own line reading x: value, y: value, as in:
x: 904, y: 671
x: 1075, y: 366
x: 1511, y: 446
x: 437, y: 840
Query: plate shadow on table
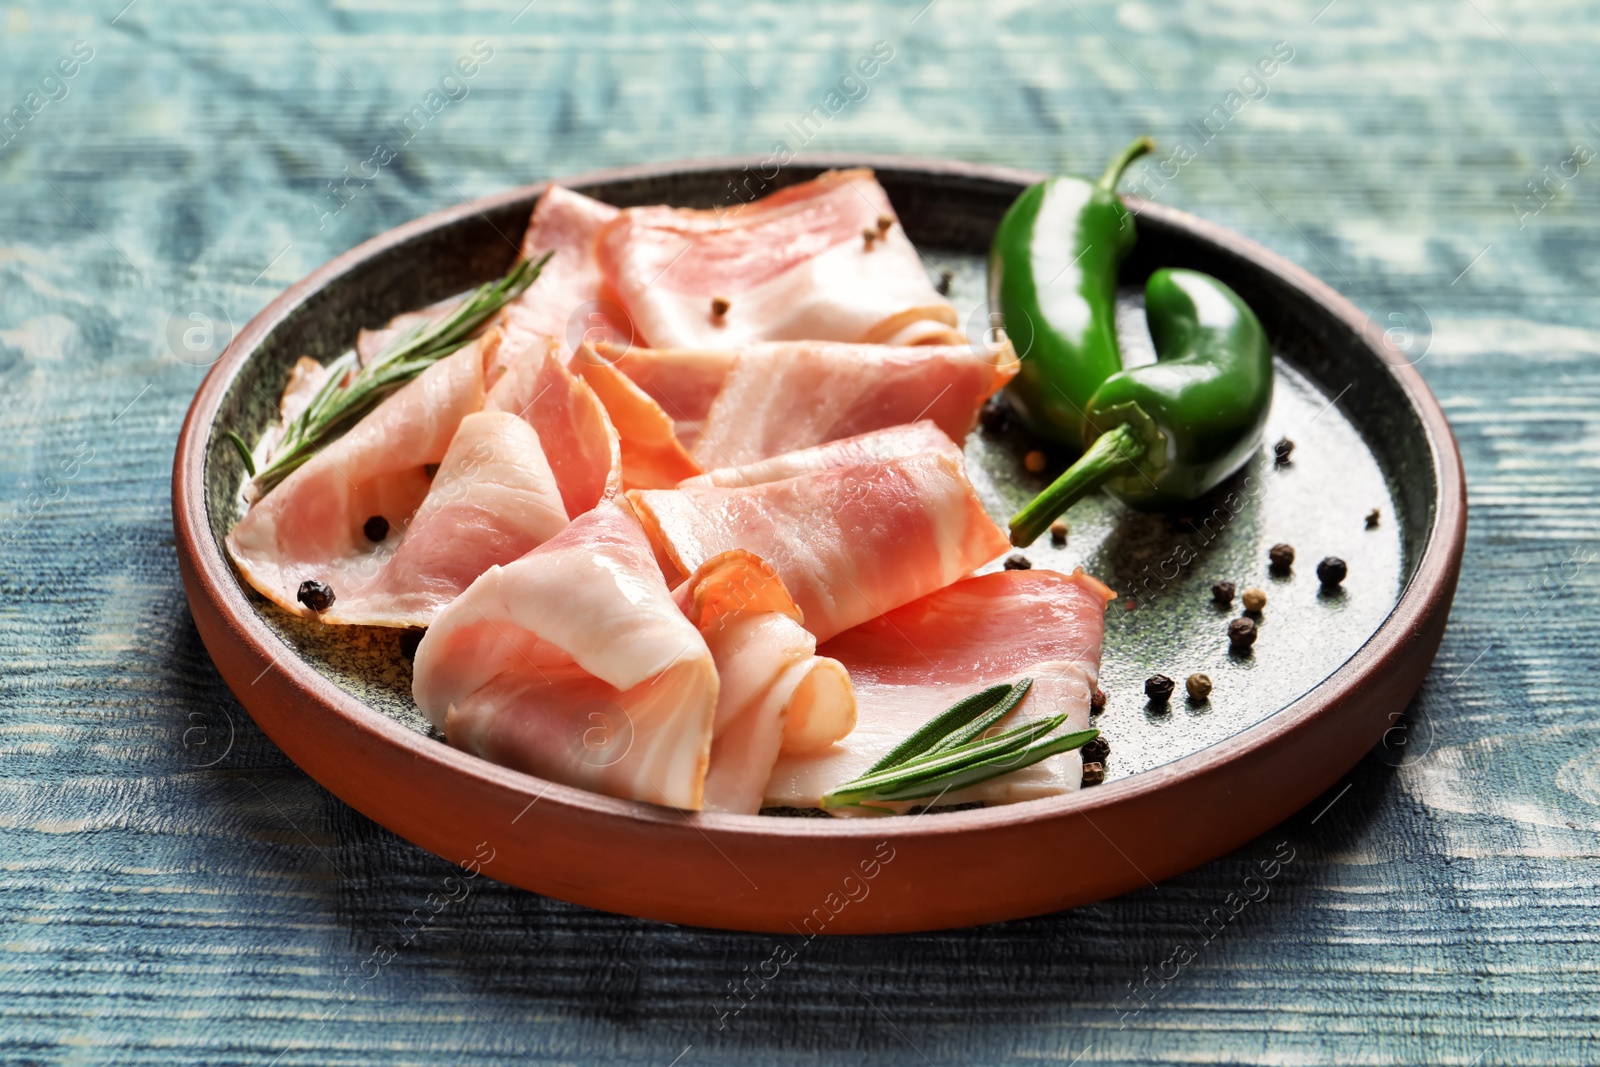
x: 516, y: 958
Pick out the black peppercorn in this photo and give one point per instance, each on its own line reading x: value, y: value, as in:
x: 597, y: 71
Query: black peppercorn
x: 1096, y: 750
x: 1097, y: 702
x: 1094, y: 773
x: 1242, y: 633
x: 376, y: 528
x: 409, y: 640
x: 1372, y: 519
x: 993, y: 415
x: 1018, y: 562
x: 1331, y: 571
x: 1158, y: 687
x: 1222, y: 593
x: 317, y: 596
x: 1282, y: 451
x: 1282, y: 558
x: 942, y: 286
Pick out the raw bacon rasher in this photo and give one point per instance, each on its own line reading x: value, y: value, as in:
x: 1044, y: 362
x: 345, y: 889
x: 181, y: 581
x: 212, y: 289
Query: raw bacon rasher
x: 875, y: 447
x: 570, y: 300
x: 775, y: 692
x: 311, y: 525
x: 912, y: 663
x: 575, y: 664
x: 849, y: 543
x: 463, y: 480
x: 792, y: 266
x: 778, y: 398
x: 528, y: 379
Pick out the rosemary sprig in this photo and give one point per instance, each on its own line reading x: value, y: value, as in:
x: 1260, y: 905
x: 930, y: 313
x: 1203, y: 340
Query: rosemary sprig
x: 940, y: 726
x: 950, y: 751
x: 339, y: 405
x: 975, y: 730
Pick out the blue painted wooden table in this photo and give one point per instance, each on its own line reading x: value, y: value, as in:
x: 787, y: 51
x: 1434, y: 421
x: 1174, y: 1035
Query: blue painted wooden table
x: 172, y: 890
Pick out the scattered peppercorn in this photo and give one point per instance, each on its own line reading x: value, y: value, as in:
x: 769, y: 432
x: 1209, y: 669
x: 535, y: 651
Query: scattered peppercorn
x: 1199, y: 686
x: 1058, y: 531
x: 409, y: 640
x: 1018, y: 562
x: 1282, y: 557
x: 1034, y: 461
x: 884, y: 222
x: 1254, y: 599
x: 1242, y: 633
x: 1282, y: 451
x: 1097, y: 702
x: 993, y: 415
x: 1096, y: 750
x: 1158, y: 687
x: 376, y: 528
x: 942, y: 286
x: 870, y: 236
x: 315, y: 595
x: 1331, y: 571
x: 720, y: 306
x: 1094, y: 773
x: 1222, y: 593
x: 1372, y: 519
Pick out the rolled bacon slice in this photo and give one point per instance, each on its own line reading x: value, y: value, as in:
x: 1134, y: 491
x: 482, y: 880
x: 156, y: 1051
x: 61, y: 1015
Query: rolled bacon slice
x: 775, y: 692
x: 782, y: 397
x: 460, y: 490
x: 792, y: 266
x: 528, y: 378
x: 849, y: 543
x: 574, y: 663
x: 493, y: 500
x: 785, y: 396
x: 570, y: 300
x: 684, y: 381
x: 652, y: 456
x: 875, y: 447
x: 915, y: 661
x: 312, y: 525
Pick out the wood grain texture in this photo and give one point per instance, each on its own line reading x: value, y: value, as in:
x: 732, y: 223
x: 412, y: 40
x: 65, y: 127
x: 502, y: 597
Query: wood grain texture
x: 172, y: 890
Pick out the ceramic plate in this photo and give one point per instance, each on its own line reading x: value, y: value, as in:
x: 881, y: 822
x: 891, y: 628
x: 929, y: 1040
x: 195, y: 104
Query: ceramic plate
x: 1186, y: 781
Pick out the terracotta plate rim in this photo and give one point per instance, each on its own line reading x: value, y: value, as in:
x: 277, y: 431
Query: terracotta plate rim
x: 209, y: 577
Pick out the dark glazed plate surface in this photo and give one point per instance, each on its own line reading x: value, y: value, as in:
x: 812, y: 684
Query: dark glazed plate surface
x: 1186, y: 782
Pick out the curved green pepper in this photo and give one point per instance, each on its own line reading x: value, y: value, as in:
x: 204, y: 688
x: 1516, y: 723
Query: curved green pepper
x: 1170, y: 431
x: 1053, y: 279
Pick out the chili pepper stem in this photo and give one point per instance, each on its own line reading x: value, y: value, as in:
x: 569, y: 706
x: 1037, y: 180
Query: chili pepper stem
x: 1113, y: 452
x: 1113, y: 174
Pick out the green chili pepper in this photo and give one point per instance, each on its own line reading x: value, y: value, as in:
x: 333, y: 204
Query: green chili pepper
x: 1170, y: 431
x: 1053, y: 280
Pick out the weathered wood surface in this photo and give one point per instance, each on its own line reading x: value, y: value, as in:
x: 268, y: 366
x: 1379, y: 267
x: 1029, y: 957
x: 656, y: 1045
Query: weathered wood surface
x: 174, y: 891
